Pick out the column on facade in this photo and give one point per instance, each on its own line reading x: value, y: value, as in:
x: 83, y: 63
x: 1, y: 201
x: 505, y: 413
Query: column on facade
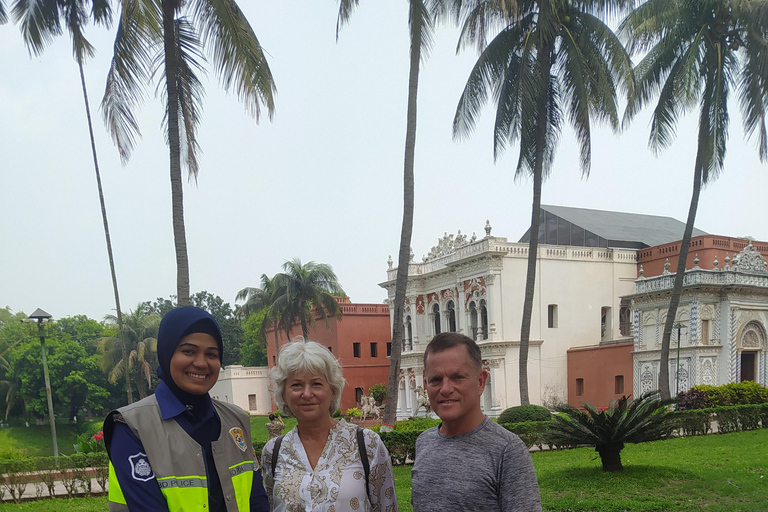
x: 493, y: 306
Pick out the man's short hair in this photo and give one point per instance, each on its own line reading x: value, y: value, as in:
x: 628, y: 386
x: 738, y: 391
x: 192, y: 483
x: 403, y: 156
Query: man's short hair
x: 448, y: 340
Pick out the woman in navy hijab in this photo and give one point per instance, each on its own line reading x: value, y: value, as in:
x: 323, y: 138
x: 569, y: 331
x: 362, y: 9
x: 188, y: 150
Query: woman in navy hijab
x: 178, y: 449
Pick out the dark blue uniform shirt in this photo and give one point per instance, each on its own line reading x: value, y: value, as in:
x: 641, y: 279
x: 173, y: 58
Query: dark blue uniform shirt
x: 204, y: 427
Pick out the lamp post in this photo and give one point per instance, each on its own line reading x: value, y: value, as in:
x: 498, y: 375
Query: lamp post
x: 679, y: 327
x: 41, y: 316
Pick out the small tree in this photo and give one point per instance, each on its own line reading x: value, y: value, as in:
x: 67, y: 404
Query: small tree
x: 607, y: 429
x: 378, y: 391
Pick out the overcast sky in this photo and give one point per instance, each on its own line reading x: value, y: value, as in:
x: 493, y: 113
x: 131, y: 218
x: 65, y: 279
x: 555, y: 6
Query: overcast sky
x: 322, y: 182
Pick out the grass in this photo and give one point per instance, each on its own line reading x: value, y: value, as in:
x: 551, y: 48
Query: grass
x: 35, y: 440
x: 683, y: 474
x: 677, y: 475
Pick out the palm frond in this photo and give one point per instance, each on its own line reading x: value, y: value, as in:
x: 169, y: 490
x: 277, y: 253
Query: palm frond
x: 39, y: 23
x: 753, y: 85
x: 137, y: 41
x: 422, y: 28
x: 237, y: 56
x: 346, y: 7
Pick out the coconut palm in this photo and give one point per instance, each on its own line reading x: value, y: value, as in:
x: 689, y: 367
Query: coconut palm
x: 140, y: 335
x: 551, y: 61
x: 42, y: 21
x: 257, y: 299
x: 421, y: 24
x: 303, y: 291
x: 3, y: 15
x: 608, y: 429
x: 699, y: 51
x: 170, y: 37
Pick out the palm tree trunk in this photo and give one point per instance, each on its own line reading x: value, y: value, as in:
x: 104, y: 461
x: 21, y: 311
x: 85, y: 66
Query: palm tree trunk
x: 677, y: 287
x: 545, y: 61
x: 406, y: 231
x: 610, y: 456
x: 106, y: 226
x: 177, y: 192
x: 277, y: 346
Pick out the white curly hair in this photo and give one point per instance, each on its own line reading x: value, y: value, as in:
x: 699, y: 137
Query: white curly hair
x: 304, y: 355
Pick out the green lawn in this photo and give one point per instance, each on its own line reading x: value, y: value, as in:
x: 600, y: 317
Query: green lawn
x: 35, y: 440
x: 678, y: 475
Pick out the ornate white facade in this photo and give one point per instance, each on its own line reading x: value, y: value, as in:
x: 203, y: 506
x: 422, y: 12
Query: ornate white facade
x: 721, y: 324
x: 476, y: 287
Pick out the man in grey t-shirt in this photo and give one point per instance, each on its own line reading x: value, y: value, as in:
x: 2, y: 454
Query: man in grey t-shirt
x: 468, y: 462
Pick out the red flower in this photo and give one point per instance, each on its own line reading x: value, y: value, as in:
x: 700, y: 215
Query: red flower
x: 99, y: 436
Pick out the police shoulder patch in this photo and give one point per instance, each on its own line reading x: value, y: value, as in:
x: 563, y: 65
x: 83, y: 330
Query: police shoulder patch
x: 140, y: 468
x: 239, y: 438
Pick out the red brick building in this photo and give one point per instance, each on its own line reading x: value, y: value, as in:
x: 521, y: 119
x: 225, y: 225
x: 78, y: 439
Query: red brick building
x: 361, y: 341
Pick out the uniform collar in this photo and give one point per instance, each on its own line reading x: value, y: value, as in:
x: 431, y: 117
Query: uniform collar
x: 170, y: 406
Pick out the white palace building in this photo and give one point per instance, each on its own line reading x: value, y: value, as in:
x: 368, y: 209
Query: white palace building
x: 588, y: 292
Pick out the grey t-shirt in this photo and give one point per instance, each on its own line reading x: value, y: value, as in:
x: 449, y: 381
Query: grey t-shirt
x: 488, y: 469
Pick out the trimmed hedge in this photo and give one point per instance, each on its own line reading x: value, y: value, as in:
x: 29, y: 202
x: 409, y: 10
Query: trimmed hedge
x: 532, y: 433
x: 523, y: 413
x: 732, y: 418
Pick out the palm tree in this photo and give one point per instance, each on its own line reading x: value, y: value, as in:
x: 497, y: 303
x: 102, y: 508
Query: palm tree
x: 140, y: 334
x: 421, y: 23
x: 176, y: 33
x: 3, y: 15
x: 551, y: 61
x: 257, y: 299
x: 303, y: 291
x: 698, y: 51
x: 40, y: 23
x: 607, y: 429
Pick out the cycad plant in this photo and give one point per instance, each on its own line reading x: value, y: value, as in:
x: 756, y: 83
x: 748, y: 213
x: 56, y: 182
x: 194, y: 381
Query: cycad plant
x: 608, y: 429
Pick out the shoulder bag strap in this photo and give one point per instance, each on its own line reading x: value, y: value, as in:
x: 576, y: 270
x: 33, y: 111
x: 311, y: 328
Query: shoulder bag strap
x: 275, y: 451
x: 364, y: 459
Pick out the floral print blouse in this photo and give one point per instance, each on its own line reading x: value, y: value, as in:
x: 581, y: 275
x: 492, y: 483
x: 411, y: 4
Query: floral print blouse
x: 337, y: 484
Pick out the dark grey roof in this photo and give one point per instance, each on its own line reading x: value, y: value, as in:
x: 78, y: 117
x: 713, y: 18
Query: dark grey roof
x: 620, y: 227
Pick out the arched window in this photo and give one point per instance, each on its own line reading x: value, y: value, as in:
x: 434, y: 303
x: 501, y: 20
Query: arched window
x: 409, y: 332
x: 473, y: 320
x: 484, y: 318
x: 436, y: 319
x: 451, y: 314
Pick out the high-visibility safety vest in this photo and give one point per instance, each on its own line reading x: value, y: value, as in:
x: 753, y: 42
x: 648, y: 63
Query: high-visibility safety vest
x: 178, y: 462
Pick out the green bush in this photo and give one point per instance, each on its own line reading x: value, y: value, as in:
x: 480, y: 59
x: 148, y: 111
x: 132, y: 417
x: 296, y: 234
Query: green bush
x: 523, y: 413
x: 353, y: 412
x: 401, y: 445
x: 530, y: 432
x: 734, y: 393
x: 419, y: 424
x: 337, y: 413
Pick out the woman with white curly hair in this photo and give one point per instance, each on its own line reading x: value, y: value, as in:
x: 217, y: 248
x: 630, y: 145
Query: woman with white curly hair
x: 322, y: 464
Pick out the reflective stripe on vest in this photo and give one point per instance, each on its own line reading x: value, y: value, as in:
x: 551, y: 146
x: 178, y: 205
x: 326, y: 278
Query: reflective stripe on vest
x: 242, y: 480
x: 116, y: 498
x: 185, y: 493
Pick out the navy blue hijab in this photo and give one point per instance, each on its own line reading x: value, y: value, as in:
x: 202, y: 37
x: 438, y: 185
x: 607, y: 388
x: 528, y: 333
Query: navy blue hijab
x: 177, y: 324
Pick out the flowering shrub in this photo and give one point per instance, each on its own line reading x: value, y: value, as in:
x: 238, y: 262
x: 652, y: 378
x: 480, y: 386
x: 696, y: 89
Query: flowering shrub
x: 90, y: 445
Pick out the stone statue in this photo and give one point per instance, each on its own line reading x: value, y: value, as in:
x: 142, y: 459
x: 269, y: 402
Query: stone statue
x: 423, y: 401
x: 368, y: 406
